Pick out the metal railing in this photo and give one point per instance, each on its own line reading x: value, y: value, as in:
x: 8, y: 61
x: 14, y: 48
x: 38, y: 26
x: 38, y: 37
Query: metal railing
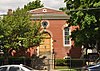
x: 48, y: 64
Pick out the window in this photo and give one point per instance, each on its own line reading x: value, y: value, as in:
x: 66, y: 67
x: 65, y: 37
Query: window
x: 44, y: 10
x: 66, y: 36
x: 44, y: 24
x: 3, y: 68
x: 22, y: 69
x: 14, y: 69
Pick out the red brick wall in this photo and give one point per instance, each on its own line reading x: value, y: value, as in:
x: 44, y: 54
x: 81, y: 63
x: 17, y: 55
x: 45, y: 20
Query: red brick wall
x: 57, y: 32
x: 55, y: 29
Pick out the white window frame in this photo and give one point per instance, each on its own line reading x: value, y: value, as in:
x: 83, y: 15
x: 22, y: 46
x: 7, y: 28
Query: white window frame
x: 66, y: 45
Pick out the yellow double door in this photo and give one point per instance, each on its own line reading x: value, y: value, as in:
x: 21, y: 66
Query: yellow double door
x: 45, y: 46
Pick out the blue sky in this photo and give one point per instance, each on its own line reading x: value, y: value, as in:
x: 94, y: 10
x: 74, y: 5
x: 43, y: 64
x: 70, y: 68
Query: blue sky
x: 13, y: 4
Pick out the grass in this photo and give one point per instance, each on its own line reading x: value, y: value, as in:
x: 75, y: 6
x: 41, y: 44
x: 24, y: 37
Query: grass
x: 64, y: 68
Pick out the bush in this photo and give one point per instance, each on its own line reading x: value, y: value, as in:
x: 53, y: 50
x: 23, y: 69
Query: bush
x: 19, y: 60
x: 15, y: 60
x: 75, y: 62
x: 60, y: 62
x: 34, y: 62
x: 1, y: 60
x: 70, y: 63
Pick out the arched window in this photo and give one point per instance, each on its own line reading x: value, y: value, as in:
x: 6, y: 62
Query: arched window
x: 67, y: 36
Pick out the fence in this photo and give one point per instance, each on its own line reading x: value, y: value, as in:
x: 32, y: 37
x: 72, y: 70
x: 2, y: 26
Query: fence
x: 76, y: 64
x: 36, y: 63
x: 47, y: 64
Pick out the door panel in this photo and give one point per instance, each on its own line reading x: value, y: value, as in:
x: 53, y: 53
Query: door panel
x: 45, y: 47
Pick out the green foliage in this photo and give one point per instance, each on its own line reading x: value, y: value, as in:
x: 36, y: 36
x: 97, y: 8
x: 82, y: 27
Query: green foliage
x: 33, y: 5
x: 60, y: 62
x: 17, y: 31
x: 19, y: 60
x: 1, y: 60
x: 34, y: 62
x: 85, y: 14
x: 62, y: 9
x: 69, y: 62
x: 15, y: 60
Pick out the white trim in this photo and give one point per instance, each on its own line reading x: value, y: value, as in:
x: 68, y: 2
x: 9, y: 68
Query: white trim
x: 51, y: 46
x: 48, y: 31
x: 38, y: 51
x: 49, y: 16
x: 44, y: 10
x: 66, y: 45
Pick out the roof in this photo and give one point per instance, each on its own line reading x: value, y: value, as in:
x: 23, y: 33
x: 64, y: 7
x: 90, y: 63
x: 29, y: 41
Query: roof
x: 49, y: 10
x: 46, y: 13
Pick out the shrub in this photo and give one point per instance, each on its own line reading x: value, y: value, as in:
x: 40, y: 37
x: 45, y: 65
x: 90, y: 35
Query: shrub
x: 69, y: 62
x: 1, y: 60
x: 60, y: 62
x: 19, y: 60
x: 75, y: 62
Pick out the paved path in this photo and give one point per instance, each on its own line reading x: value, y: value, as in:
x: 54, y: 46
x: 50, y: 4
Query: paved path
x: 45, y: 70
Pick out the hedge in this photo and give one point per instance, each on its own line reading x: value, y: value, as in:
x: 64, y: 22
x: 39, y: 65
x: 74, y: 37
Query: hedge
x: 60, y: 62
x: 15, y: 60
x: 69, y: 62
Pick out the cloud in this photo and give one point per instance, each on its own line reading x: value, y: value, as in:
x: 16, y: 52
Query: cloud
x: 13, y: 4
x: 54, y: 3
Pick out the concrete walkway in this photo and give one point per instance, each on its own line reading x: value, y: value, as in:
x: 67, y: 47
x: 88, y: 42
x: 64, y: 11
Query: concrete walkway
x: 45, y: 70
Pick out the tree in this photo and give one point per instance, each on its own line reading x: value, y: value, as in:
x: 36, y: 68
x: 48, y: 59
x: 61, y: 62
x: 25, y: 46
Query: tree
x: 33, y: 5
x: 85, y: 14
x: 18, y: 32
x: 62, y: 9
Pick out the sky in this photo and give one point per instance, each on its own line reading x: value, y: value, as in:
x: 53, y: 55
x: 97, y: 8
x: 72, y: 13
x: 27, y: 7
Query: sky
x: 13, y: 4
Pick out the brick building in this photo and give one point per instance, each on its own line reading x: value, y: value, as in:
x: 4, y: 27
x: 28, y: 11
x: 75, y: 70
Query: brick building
x: 57, y: 39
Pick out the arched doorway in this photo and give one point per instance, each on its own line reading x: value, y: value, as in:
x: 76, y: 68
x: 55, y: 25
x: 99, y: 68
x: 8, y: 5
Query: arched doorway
x: 45, y: 46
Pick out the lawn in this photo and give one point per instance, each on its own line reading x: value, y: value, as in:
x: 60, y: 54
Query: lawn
x: 64, y: 68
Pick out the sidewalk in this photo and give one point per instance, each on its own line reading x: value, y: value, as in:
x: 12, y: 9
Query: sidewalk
x: 54, y: 70
x: 46, y: 70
